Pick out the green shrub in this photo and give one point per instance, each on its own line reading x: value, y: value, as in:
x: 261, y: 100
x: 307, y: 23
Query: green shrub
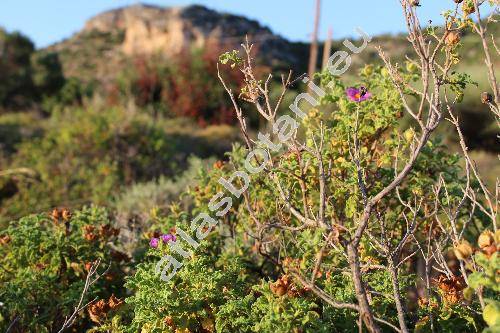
x: 48, y: 77
x: 289, y: 254
x: 16, y: 88
x: 86, y: 155
x: 44, y: 264
x: 155, y: 197
x: 139, y: 205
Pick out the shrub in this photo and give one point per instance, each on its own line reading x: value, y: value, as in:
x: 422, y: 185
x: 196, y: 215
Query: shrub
x: 185, y: 87
x: 139, y: 205
x: 351, y: 223
x: 48, y: 77
x: 16, y: 88
x: 86, y: 155
x: 45, y: 260
x: 334, y: 228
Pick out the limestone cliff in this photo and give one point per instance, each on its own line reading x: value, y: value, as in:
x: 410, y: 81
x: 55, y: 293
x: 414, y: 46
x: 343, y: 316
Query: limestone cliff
x: 109, y: 38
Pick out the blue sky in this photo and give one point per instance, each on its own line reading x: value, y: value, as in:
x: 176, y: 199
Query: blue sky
x: 48, y: 21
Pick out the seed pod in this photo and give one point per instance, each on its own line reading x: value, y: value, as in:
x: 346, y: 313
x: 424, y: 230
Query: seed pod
x: 452, y: 38
x: 463, y: 250
x: 487, y: 238
x: 486, y: 97
x: 415, y: 3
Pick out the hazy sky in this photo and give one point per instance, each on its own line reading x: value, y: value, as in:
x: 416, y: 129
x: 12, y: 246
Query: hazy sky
x: 48, y: 21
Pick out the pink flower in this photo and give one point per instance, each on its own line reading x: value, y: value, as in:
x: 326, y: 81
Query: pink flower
x: 358, y: 95
x: 154, y: 242
x: 168, y: 238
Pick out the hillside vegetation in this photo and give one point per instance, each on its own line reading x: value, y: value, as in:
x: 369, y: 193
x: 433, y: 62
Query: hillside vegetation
x: 146, y: 146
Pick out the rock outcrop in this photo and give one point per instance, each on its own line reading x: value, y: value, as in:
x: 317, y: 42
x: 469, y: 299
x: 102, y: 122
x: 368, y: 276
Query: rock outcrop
x: 147, y: 30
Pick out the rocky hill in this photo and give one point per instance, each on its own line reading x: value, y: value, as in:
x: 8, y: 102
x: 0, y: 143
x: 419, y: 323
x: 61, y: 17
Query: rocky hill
x: 108, y: 42
x: 110, y: 38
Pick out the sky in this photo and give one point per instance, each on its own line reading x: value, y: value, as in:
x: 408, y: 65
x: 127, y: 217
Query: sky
x: 49, y: 21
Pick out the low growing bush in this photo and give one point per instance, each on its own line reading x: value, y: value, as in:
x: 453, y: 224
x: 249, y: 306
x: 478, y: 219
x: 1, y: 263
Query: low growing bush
x: 44, y: 262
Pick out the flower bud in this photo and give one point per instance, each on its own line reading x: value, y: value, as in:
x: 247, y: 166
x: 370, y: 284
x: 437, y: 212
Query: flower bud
x: 463, y: 250
x: 458, y: 1
x: 415, y: 3
x: 368, y: 70
x: 411, y: 67
x: 154, y: 242
x: 486, y: 97
x: 409, y: 134
x: 486, y: 239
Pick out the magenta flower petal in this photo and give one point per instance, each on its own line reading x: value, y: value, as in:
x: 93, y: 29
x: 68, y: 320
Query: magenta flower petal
x: 358, y: 95
x: 154, y: 242
x: 168, y: 238
x: 352, y: 93
x: 366, y: 96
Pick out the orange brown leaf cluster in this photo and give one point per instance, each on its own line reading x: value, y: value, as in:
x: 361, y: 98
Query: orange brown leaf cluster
x: 63, y: 214
x: 98, y: 310
x: 450, y: 288
x: 284, y: 286
x: 4, y: 240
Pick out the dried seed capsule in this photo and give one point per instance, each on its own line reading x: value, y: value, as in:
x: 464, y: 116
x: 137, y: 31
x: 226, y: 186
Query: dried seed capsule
x: 487, y: 238
x: 486, y: 98
x: 463, y: 250
x: 452, y: 38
